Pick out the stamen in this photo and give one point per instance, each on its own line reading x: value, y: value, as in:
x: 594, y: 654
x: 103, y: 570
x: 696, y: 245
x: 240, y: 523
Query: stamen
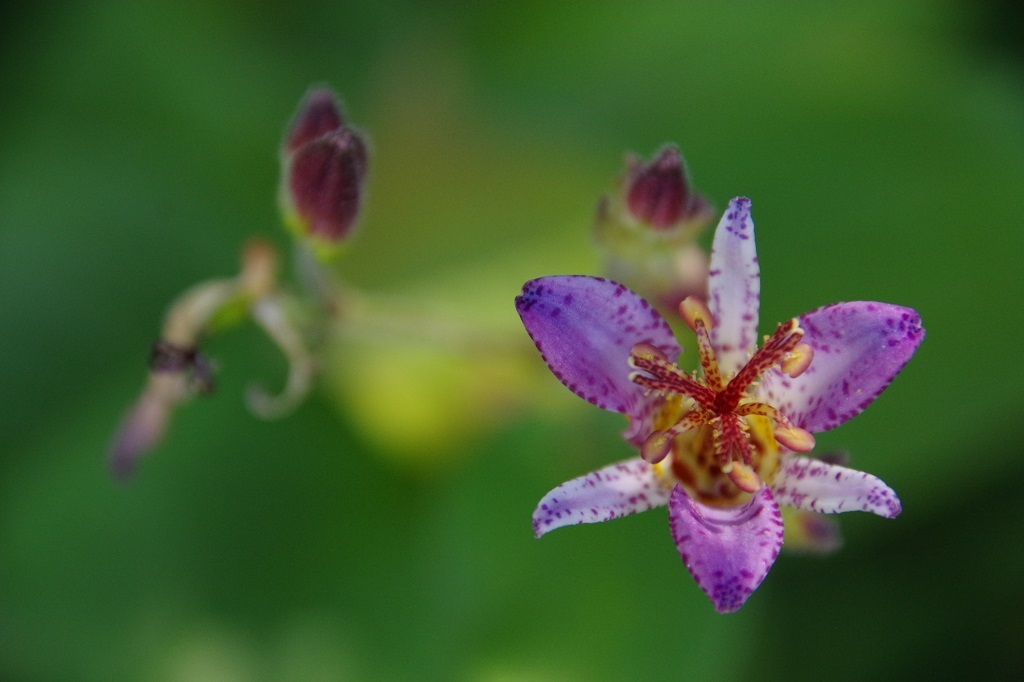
x: 708, y: 363
x: 648, y: 352
x: 724, y: 406
x: 659, y: 443
x: 745, y: 478
x: 692, y: 309
x: 656, y: 447
x: 775, y: 349
x: 763, y: 410
x: 697, y: 316
x: 798, y: 361
x: 792, y: 437
x: 795, y: 438
x: 665, y: 376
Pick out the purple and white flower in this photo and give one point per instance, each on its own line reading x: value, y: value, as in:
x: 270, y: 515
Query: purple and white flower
x: 719, y: 448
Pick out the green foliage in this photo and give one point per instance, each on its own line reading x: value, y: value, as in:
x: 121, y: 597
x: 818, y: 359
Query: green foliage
x: 880, y: 143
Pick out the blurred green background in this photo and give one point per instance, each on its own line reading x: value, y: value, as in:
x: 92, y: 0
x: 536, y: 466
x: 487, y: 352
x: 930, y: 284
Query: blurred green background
x: 883, y: 147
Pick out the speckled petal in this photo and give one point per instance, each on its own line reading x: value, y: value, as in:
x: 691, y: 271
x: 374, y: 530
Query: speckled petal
x: 859, y: 348
x: 617, y: 490
x: 585, y: 327
x: 808, y: 483
x: 728, y: 550
x: 734, y: 287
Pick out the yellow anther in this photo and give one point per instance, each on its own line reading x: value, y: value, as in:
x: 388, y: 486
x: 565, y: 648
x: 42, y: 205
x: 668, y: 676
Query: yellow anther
x: 795, y: 438
x: 656, y: 447
x: 799, y: 360
x: 745, y: 478
x: 646, y: 351
x: 692, y: 309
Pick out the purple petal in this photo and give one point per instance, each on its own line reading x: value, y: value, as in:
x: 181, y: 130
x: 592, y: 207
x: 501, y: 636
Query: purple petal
x: 585, y: 327
x: 859, y: 348
x: 728, y: 550
x: 734, y: 287
x: 139, y: 432
x: 808, y: 483
x: 617, y: 490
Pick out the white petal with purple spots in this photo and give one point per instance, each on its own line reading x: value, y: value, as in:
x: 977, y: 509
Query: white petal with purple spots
x: 734, y: 287
x: 808, y: 483
x: 585, y: 327
x: 618, y: 490
x: 859, y: 348
x: 728, y: 550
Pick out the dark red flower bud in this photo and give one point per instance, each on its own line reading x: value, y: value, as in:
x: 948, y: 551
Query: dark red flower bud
x: 658, y: 193
x: 326, y: 183
x: 318, y: 115
x: 324, y: 165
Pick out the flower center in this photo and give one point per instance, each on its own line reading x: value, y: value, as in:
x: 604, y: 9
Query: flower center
x: 714, y: 419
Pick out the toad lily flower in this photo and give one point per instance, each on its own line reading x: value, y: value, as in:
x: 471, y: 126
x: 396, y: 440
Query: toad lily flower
x: 718, y: 449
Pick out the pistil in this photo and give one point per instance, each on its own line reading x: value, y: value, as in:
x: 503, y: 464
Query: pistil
x: 723, y: 405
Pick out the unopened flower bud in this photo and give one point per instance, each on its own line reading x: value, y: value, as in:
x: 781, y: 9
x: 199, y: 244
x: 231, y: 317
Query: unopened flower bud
x: 646, y: 230
x: 318, y: 115
x: 658, y: 193
x: 323, y: 169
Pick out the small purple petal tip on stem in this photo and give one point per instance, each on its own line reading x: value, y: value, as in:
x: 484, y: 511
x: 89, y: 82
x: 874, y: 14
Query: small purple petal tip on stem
x: 139, y: 432
x: 146, y: 421
x: 178, y: 370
